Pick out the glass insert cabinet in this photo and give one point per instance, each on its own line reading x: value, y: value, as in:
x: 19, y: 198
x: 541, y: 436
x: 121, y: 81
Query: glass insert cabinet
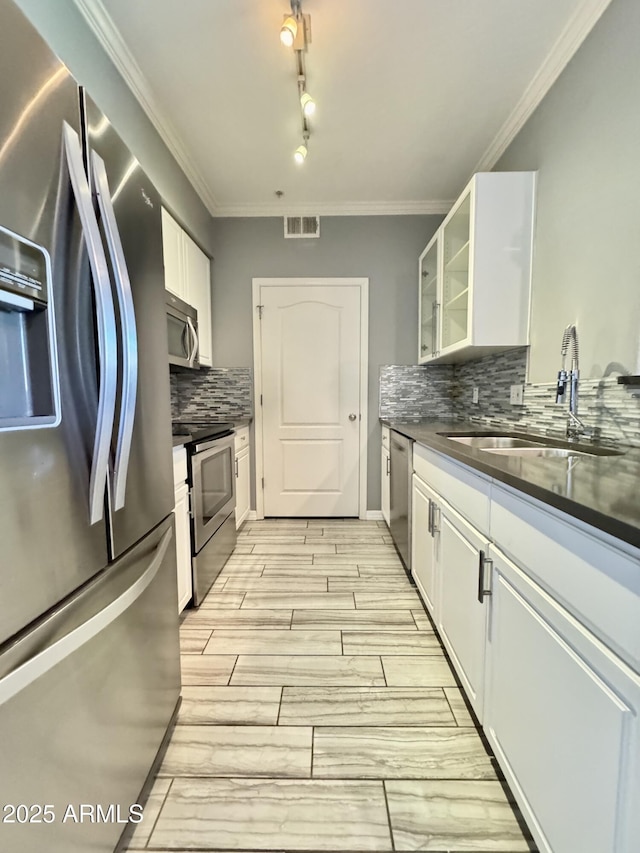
x: 474, y: 275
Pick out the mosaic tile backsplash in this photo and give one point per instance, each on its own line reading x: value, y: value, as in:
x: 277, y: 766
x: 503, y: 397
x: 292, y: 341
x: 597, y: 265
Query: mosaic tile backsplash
x: 416, y: 392
x: 226, y: 392
x: 611, y: 409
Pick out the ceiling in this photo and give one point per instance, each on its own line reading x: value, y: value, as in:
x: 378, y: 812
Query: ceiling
x: 413, y: 96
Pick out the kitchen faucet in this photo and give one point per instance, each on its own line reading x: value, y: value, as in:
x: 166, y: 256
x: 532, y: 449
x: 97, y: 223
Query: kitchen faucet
x: 575, y: 427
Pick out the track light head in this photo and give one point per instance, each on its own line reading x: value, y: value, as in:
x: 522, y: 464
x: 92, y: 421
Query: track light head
x: 308, y: 104
x: 288, y: 31
x: 300, y: 154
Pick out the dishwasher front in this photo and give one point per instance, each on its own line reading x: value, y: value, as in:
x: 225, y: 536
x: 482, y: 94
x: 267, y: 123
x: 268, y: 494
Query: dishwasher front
x: 401, y: 453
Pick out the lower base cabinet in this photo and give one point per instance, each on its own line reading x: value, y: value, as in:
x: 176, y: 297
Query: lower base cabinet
x: 463, y: 605
x: 385, y: 491
x: 562, y: 715
x: 243, y: 475
x: 183, y: 527
x: 183, y: 546
x: 558, y: 696
x: 424, y: 542
x: 242, y: 487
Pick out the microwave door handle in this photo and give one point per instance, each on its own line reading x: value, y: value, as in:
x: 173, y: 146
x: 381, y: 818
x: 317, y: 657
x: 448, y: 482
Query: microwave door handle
x: 185, y: 341
x: 106, y: 324
x: 196, y: 343
x: 129, y: 332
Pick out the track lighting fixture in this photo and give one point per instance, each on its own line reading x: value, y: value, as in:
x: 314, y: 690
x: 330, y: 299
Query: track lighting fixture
x: 300, y: 154
x: 296, y: 33
x: 288, y: 31
x: 308, y: 104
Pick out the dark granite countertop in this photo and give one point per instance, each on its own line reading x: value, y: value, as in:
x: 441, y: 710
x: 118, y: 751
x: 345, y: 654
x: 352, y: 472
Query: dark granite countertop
x: 179, y: 440
x: 603, y: 491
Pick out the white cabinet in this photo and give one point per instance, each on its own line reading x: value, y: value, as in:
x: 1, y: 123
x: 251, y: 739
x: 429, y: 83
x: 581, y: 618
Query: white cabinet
x: 562, y: 715
x: 429, y: 300
x: 462, y: 603
x: 474, y: 275
x: 187, y: 274
x: 183, y: 527
x: 198, y: 275
x: 425, y: 542
x: 243, y: 474
x: 385, y: 477
x: 539, y: 614
x: 448, y: 563
x: 173, y: 256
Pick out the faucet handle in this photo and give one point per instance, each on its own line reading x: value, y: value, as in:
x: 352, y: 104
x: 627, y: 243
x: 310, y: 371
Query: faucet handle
x: 562, y: 386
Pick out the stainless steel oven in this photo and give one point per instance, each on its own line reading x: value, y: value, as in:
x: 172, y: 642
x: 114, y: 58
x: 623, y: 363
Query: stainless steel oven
x: 213, y: 501
x: 182, y: 332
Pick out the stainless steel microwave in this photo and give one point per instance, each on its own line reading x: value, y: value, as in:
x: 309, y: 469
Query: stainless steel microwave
x: 182, y: 333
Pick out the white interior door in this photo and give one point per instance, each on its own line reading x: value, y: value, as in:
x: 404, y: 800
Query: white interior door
x: 310, y: 342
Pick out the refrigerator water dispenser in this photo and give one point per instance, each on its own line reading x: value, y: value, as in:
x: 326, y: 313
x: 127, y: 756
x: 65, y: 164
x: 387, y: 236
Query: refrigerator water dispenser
x: 29, y: 396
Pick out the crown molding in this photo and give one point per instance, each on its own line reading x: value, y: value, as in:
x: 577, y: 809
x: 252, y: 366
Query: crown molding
x: 102, y: 26
x: 575, y: 32
x: 348, y: 208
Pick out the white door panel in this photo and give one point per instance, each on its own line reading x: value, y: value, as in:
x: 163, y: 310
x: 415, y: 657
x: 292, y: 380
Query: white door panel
x: 310, y: 348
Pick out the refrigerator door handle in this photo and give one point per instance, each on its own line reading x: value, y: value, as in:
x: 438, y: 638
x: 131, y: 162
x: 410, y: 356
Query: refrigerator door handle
x: 106, y: 323
x: 129, y: 332
x: 34, y: 668
x: 196, y: 343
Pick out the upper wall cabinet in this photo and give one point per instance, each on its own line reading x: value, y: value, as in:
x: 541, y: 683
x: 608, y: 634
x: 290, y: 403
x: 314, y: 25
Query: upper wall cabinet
x: 187, y: 274
x: 475, y: 273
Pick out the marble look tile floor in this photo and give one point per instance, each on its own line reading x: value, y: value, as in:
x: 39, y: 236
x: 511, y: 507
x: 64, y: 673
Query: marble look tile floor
x: 320, y: 713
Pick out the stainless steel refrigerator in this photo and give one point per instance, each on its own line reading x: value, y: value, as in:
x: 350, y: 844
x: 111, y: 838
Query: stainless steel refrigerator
x: 89, y: 665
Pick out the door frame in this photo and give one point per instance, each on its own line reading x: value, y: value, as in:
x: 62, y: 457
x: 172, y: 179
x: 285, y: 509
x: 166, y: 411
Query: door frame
x: 363, y: 284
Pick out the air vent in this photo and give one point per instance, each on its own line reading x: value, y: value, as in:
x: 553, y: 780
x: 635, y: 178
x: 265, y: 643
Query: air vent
x: 301, y: 226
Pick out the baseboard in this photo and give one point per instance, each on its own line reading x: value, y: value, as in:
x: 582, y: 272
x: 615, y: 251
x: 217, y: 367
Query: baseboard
x: 371, y: 515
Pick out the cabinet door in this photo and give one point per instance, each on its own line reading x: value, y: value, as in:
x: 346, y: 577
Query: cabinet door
x: 183, y: 546
x: 456, y: 316
x: 385, y: 494
x: 428, y: 337
x: 198, y: 270
x: 243, y: 484
x: 462, y: 617
x: 173, y: 255
x: 562, y: 716
x: 424, y: 542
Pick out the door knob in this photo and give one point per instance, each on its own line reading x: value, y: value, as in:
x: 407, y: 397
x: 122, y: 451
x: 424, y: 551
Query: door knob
x: 352, y: 417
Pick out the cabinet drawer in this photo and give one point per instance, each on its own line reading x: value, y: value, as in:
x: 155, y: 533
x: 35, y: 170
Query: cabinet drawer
x: 464, y: 489
x: 179, y: 465
x: 385, y: 437
x: 241, y: 438
x: 597, y: 582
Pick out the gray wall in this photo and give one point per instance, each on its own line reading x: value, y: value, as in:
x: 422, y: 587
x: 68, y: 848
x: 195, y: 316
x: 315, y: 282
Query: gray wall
x: 64, y: 28
x: 584, y: 139
x: 384, y: 249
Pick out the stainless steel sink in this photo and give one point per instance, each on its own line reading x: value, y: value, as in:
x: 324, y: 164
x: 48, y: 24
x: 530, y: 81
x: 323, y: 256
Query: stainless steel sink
x: 494, y: 442
x: 538, y: 452
x: 534, y: 446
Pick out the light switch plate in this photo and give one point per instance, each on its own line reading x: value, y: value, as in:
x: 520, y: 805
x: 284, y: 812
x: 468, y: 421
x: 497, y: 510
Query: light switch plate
x: 516, y: 395
x: 474, y: 397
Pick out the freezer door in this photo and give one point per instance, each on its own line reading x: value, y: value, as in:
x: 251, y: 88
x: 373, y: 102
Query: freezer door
x: 48, y: 545
x: 142, y: 484
x: 85, y: 701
